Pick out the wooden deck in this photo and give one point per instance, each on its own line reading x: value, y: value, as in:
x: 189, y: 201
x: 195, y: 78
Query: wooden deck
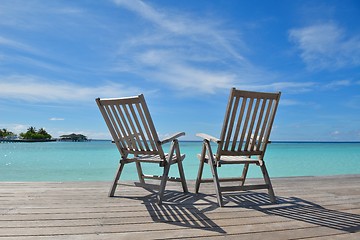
x: 307, y: 208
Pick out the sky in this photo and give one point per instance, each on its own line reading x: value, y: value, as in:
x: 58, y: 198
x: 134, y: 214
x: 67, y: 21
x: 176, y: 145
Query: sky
x: 57, y: 56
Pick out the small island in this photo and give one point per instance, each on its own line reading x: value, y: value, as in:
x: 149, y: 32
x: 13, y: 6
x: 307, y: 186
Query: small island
x: 33, y: 135
x: 5, y: 134
x: 73, y: 138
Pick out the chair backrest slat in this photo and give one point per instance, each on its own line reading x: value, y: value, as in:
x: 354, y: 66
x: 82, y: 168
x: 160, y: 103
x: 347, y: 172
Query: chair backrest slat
x: 146, y: 127
x: 253, y: 145
x: 122, y: 123
x: 238, y: 125
x: 253, y: 115
x: 119, y: 127
x: 153, y: 134
x: 231, y: 125
x: 115, y: 132
x: 226, y: 121
x: 134, y: 133
x: 136, y: 114
x: 270, y: 114
x: 247, y: 124
x: 130, y: 125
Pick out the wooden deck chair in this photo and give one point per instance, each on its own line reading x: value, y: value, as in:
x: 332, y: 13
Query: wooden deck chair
x: 134, y: 134
x: 245, y: 134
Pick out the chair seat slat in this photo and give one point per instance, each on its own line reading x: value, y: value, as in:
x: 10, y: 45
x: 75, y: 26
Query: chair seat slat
x: 233, y: 159
x: 154, y: 158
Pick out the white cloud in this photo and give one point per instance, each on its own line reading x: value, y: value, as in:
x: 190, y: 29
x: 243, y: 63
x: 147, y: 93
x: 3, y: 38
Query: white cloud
x: 14, y: 127
x: 338, y: 84
x: 56, y: 119
x: 34, y: 89
x: 290, y: 87
x: 27, y: 61
x: 288, y: 102
x: 326, y: 46
x: 187, y: 77
x: 348, y: 135
x: 16, y: 44
x: 15, y: 13
x: 194, y: 29
x: 335, y: 133
x: 185, y: 52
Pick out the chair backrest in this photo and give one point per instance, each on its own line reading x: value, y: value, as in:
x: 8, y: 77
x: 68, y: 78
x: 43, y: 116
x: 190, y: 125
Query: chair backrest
x: 248, y: 121
x: 130, y: 125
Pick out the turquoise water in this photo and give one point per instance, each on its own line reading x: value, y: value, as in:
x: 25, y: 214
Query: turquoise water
x: 98, y: 160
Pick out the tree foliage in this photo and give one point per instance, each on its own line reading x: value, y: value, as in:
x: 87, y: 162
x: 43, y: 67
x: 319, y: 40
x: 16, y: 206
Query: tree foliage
x: 33, y: 134
x: 5, y: 133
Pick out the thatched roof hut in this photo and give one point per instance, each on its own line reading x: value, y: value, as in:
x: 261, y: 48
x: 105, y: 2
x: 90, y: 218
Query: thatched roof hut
x: 73, y: 137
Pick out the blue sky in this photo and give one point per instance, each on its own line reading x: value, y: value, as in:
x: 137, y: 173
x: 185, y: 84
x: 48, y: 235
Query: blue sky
x: 56, y: 57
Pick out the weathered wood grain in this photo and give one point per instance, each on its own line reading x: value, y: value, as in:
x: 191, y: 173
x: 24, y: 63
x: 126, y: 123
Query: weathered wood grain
x: 307, y: 208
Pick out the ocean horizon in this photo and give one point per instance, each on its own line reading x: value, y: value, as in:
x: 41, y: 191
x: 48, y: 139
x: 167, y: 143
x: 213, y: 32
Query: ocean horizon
x: 97, y: 160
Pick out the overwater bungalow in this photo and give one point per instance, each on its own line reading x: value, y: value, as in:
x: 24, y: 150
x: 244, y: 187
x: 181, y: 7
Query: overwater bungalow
x: 73, y: 138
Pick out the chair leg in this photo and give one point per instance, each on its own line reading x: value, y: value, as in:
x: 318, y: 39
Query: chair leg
x: 198, y: 179
x: 181, y: 168
x: 217, y: 184
x: 140, y: 173
x: 116, y: 179
x: 213, y: 168
x: 244, y: 173
x: 268, y: 182
x: 163, y: 182
x: 182, y: 176
x: 201, y: 167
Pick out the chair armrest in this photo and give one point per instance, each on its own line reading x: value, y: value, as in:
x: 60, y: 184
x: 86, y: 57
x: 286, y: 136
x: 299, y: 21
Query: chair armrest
x: 172, y: 137
x: 208, y: 137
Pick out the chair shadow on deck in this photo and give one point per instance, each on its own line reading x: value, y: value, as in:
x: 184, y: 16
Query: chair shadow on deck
x: 297, y: 209
x: 181, y: 210
x: 190, y: 210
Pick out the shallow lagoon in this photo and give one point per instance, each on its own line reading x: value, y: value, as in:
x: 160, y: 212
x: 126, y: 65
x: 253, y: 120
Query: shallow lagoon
x: 98, y: 160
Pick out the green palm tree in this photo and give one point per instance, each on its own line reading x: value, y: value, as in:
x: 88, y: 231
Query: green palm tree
x: 31, y: 129
x: 4, y: 133
x: 42, y: 131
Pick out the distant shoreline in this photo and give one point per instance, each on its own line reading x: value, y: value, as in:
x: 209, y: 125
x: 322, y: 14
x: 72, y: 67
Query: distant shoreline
x: 43, y: 140
x: 28, y: 140
x: 199, y: 141
x: 275, y: 141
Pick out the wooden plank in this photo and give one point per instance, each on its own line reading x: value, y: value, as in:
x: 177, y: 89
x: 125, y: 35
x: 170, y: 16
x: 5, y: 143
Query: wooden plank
x: 308, y: 207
